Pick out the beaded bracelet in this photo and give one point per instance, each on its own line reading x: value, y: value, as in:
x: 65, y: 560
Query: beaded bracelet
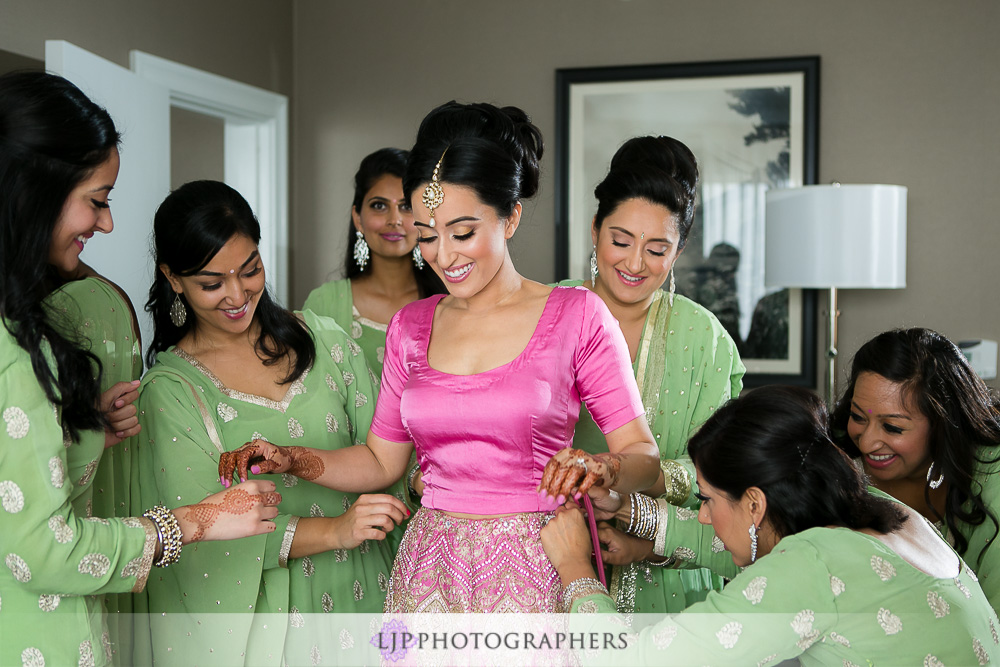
x: 580, y: 588
x: 409, y: 482
x: 169, y: 532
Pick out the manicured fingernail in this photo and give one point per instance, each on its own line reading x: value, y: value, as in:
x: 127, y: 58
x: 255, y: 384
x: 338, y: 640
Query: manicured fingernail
x: 136, y: 383
x: 560, y: 499
x: 228, y: 483
x: 242, y: 479
x: 255, y: 470
x: 222, y: 480
x: 577, y: 495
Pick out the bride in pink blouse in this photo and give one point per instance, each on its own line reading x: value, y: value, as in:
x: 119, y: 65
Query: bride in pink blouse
x: 486, y: 382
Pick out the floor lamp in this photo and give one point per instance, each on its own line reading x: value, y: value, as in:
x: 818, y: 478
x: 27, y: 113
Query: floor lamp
x: 835, y: 237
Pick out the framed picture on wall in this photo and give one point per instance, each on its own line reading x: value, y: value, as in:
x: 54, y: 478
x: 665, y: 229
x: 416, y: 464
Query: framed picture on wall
x: 753, y: 125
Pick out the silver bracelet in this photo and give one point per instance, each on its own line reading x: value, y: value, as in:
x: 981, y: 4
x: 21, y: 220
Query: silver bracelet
x: 631, y: 512
x: 580, y: 588
x: 642, y: 517
x: 168, y: 530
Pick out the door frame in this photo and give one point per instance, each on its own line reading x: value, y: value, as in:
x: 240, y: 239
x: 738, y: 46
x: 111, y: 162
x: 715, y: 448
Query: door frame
x: 255, y: 145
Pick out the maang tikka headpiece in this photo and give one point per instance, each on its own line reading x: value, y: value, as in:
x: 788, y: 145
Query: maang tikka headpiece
x: 434, y: 194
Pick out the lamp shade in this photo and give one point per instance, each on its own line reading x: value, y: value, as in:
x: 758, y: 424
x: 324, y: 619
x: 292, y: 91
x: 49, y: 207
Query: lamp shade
x: 844, y: 236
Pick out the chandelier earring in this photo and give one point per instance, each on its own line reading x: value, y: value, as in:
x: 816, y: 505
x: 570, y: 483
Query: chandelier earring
x: 361, y: 252
x: 593, y: 267
x: 418, y: 258
x: 934, y: 483
x: 753, y: 542
x: 673, y: 288
x: 178, y: 313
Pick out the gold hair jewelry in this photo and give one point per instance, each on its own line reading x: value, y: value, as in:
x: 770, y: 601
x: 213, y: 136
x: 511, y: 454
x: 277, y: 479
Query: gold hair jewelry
x: 434, y: 194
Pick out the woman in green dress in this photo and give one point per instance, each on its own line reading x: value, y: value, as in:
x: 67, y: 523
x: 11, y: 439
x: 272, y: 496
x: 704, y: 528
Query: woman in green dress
x: 831, y: 573
x: 384, y: 271
x: 102, y: 318
x: 926, y: 430
x: 685, y: 363
x: 228, y: 366
x: 383, y: 268
x: 58, y: 162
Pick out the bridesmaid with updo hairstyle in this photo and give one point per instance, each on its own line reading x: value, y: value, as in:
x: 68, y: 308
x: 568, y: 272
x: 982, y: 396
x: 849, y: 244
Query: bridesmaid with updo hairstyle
x: 486, y: 383
x: 684, y: 362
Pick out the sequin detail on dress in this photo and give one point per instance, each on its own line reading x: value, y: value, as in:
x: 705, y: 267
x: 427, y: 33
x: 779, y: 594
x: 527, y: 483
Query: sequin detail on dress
x: 455, y: 565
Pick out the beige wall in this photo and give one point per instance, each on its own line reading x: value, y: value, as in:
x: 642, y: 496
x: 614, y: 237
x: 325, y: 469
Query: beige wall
x: 909, y: 95
x: 246, y: 40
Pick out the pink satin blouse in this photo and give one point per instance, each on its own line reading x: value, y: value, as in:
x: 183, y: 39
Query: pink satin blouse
x: 483, y: 440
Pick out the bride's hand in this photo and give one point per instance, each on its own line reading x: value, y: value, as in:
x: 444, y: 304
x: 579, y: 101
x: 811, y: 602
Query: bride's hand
x: 261, y: 457
x: 572, y: 473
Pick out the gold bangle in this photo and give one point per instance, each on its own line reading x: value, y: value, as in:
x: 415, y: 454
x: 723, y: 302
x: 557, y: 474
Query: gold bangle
x: 168, y: 530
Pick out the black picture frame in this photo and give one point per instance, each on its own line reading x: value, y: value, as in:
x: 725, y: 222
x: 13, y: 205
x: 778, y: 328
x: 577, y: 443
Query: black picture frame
x: 752, y: 124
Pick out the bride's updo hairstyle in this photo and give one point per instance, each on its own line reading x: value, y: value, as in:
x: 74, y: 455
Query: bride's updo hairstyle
x: 495, y: 151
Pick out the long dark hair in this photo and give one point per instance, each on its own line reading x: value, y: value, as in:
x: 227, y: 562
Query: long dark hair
x: 776, y: 438
x: 385, y: 161
x: 964, y: 415
x: 660, y: 170
x: 51, y: 138
x: 495, y: 151
x: 190, y: 227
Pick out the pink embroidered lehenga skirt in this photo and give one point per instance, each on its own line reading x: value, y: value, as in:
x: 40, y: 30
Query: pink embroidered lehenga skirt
x: 452, y: 565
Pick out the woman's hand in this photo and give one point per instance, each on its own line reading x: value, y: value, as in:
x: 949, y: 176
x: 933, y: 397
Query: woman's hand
x: 607, y: 503
x: 117, y: 404
x: 246, y: 509
x: 369, y: 518
x: 566, y: 541
x: 572, y: 472
x: 620, y: 548
x: 261, y: 457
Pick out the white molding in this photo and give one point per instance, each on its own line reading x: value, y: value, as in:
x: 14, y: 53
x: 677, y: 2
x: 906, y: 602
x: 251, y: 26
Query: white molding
x: 256, y: 146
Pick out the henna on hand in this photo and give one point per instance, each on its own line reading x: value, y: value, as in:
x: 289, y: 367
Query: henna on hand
x: 204, y: 515
x: 236, y: 501
x: 612, y: 469
x: 305, y: 464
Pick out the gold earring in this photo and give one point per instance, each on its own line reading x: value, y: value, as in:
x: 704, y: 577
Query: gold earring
x: 434, y: 194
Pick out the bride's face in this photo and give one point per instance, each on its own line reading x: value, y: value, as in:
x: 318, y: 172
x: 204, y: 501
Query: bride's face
x: 467, y: 246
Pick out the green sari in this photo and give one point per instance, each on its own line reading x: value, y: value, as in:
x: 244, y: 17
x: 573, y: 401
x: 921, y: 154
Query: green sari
x: 686, y: 366
x: 98, y: 314
x: 334, y: 299
x: 227, y: 595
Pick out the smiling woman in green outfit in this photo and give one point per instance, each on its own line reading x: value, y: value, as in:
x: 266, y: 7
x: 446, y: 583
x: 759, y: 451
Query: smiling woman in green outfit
x: 685, y: 363
x: 58, y: 163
